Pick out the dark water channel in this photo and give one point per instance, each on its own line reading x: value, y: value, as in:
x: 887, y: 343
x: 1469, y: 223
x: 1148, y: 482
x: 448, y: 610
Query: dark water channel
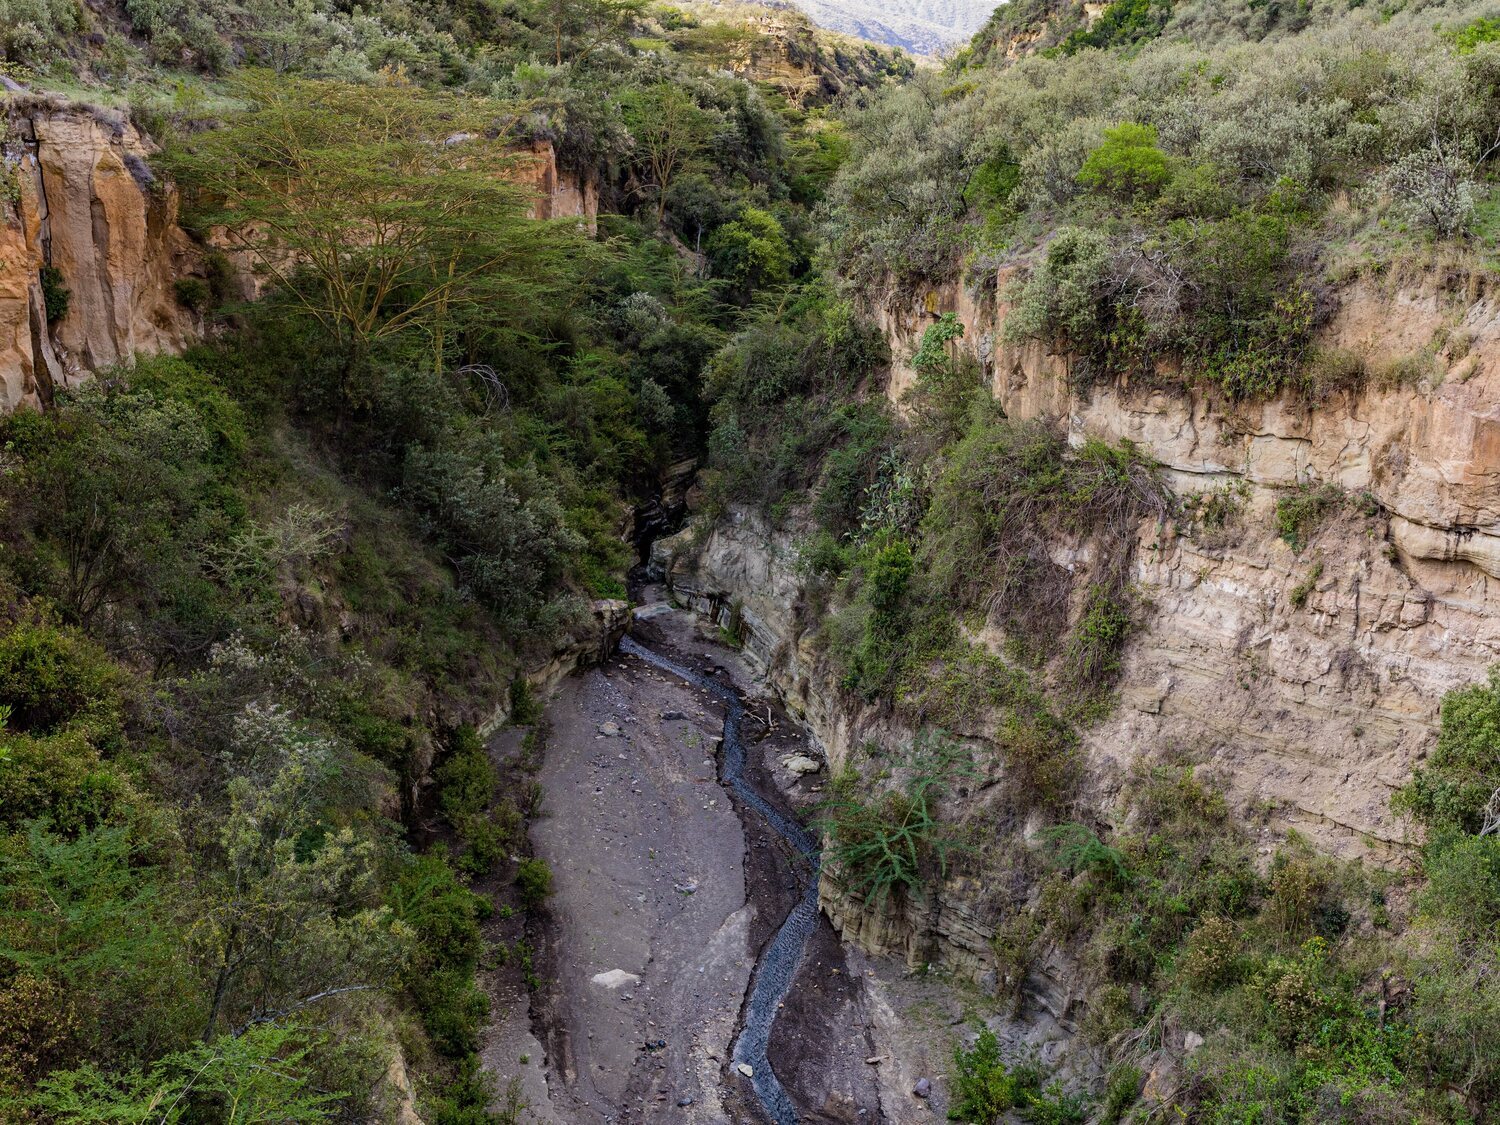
x: 778, y: 964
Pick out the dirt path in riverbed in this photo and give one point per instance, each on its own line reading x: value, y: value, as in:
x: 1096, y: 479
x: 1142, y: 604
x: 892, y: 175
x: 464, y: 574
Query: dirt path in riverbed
x: 662, y: 901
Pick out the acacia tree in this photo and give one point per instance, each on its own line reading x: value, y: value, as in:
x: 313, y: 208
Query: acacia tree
x: 379, y: 210
x: 577, y: 28
x: 670, y: 131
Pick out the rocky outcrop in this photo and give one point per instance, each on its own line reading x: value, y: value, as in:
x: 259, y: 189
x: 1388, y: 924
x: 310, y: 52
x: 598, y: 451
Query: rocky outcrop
x: 589, y: 641
x: 1311, y: 680
x: 559, y: 194
x: 81, y: 200
x: 806, y: 64
x: 1316, y: 705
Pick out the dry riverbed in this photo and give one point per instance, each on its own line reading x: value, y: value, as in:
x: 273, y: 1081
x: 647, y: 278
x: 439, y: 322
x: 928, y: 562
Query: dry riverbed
x: 664, y: 898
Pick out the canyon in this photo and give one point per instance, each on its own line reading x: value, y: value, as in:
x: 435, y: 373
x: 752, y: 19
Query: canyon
x: 1308, y: 677
x: 1310, y: 706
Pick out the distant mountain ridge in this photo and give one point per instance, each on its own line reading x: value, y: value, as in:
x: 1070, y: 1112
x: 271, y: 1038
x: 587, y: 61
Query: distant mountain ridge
x: 923, y: 27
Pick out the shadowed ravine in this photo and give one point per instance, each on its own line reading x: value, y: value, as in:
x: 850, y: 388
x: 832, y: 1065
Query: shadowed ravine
x: 778, y: 964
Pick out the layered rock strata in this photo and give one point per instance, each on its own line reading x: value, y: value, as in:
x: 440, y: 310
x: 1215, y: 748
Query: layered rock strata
x: 1309, y: 680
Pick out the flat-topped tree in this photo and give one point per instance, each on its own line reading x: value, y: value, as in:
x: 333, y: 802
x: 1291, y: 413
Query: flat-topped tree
x: 380, y: 211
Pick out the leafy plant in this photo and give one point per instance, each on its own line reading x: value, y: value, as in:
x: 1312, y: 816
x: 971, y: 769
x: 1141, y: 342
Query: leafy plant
x: 1078, y: 849
x: 1300, y: 511
x: 983, y: 1087
x: 891, y: 844
x: 1128, y: 164
x: 56, y: 296
x: 533, y: 882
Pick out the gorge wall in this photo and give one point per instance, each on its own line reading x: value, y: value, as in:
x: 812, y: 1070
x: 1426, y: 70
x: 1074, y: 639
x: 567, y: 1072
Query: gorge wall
x: 1312, y: 707
x: 81, y: 199
x: 78, y: 196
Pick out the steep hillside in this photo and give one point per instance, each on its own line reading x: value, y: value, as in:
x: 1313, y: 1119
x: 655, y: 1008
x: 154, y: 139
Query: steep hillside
x: 1140, y: 599
x: 338, y: 351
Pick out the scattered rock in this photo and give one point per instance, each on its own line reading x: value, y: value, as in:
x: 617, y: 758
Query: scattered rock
x: 801, y: 764
x: 672, y: 716
x: 684, y: 1102
x: 615, y: 978
x: 746, y: 1069
x: 609, y: 729
x: 923, y: 1088
x: 686, y: 888
x: 1191, y: 1041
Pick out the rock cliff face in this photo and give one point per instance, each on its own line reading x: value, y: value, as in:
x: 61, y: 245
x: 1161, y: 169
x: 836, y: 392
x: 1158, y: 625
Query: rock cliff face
x: 80, y: 199
x: 559, y: 194
x: 77, y: 196
x: 1311, y: 681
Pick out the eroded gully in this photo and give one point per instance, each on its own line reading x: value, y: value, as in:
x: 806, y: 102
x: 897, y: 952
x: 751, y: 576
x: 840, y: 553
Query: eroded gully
x: 684, y: 937
x: 780, y: 959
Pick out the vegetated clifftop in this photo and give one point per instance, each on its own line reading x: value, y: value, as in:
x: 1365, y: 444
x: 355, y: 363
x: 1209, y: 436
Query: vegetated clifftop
x: 91, y: 252
x: 1299, y: 646
x: 777, y: 44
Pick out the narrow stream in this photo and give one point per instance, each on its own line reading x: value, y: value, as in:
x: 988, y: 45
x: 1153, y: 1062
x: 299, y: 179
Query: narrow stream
x: 773, y: 974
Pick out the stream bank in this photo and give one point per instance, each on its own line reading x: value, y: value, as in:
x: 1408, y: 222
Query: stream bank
x: 667, y: 892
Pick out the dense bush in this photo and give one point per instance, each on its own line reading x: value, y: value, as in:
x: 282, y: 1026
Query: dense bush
x: 893, y: 844
x: 1454, y: 787
x: 1168, y: 204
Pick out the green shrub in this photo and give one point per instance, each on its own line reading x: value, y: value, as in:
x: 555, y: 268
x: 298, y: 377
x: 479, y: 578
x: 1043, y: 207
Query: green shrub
x: 56, y: 296
x: 427, y: 896
x: 1017, y: 946
x: 63, y: 780
x: 823, y: 556
x: 1302, y: 590
x: 891, y: 844
x: 525, y: 709
x: 1299, y: 512
x: 982, y: 1087
x: 1121, y: 1091
x: 454, y: 1010
x: 1063, y: 298
x: 444, y: 916
x: 1094, y: 647
x: 933, y: 349
x: 1078, y: 849
x: 1463, y: 880
x: 467, y: 780
x: 193, y: 293
x: 1128, y: 164
x: 534, y: 882
x: 1473, y: 35
x: 1121, y: 23
x: 489, y: 837
x: 1452, y: 789
x: 51, y: 675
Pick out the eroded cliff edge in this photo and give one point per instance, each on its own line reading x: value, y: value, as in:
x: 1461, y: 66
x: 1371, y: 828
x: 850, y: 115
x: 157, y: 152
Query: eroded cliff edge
x: 1310, y: 681
x: 84, y: 216
x: 81, y: 200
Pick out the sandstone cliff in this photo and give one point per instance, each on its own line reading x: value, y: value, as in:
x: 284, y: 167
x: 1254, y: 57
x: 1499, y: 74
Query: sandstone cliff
x: 560, y: 194
x: 80, y: 199
x: 1310, y: 681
